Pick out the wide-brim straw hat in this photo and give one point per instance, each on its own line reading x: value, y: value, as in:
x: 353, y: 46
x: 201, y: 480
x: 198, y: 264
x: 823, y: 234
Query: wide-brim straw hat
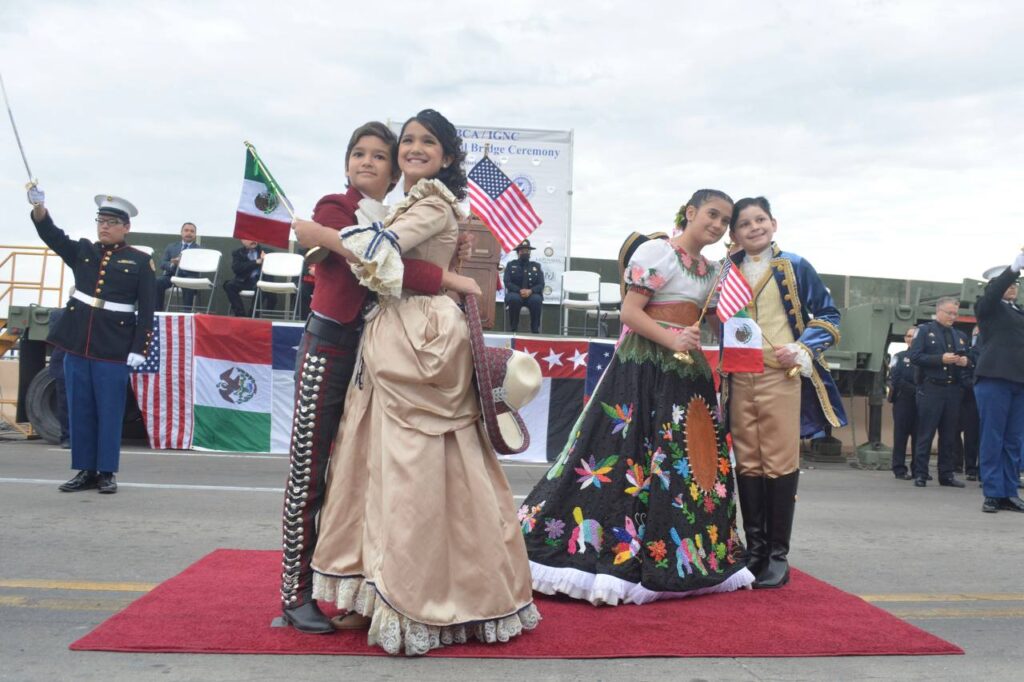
x: 507, y: 380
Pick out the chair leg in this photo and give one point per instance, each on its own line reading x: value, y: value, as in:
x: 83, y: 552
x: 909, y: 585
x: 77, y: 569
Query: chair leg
x: 255, y: 303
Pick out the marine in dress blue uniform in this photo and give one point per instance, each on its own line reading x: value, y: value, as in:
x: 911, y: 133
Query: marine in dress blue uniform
x: 521, y: 275
x: 105, y: 330
x: 903, y: 396
x: 939, y: 352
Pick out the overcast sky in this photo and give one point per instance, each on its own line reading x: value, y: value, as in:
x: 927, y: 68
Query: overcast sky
x: 887, y: 134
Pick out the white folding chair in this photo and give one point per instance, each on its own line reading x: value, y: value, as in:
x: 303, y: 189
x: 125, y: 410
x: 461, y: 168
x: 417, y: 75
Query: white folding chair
x: 609, y: 300
x: 202, y: 263
x: 288, y: 267
x: 148, y: 250
x: 580, y: 283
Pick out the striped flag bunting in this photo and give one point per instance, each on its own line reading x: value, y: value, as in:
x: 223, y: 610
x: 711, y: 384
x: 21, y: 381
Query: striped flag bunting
x: 163, y: 384
x: 499, y: 202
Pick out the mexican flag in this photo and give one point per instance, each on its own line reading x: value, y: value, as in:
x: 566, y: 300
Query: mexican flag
x: 262, y: 214
x: 233, y: 395
x: 742, y: 345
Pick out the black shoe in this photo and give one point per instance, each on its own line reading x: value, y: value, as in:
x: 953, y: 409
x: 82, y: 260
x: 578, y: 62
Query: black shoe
x: 83, y: 480
x: 308, y: 618
x: 951, y: 482
x: 781, y: 498
x: 972, y: 477
x: 990, y: 505
x: 1011, y: 504
x: 107, y: 484
x: 920, y: 482
x: 928, y: 477
x: 65, y: 444
x: 905, y: 476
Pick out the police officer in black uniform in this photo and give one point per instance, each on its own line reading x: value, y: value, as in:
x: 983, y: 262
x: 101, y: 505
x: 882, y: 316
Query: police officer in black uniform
x: 940, y: 353
x: 105, y: 330
x: 524, y: 285
x: 902, y: 395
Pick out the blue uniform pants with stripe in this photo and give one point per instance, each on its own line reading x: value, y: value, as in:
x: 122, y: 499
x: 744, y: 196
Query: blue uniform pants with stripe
x: 96, y: 398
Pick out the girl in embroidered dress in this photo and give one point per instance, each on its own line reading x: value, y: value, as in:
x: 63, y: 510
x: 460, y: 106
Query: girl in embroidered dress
x: 639, y: 505
x: 418, y: 530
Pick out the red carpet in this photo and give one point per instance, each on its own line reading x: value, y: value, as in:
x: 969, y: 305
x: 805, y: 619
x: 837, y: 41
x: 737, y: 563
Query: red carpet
x: 225, y: 602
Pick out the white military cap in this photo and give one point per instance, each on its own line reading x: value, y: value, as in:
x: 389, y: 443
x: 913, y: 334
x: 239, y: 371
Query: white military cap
x: 116, y: 206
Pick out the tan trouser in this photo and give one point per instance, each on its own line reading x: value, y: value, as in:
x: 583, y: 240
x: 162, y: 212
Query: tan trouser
x: 764, y: 417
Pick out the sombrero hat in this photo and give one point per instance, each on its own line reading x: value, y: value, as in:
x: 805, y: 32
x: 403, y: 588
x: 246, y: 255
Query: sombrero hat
x: 507, y: 380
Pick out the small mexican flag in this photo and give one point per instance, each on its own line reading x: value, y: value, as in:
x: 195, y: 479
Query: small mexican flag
x: 741, y: 345
x: 263, y: 214
x: 234, y: 388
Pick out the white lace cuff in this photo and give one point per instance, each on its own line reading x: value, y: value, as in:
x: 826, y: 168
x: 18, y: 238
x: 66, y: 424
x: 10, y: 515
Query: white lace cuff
x: 380, y: 266
x: 803, y: 358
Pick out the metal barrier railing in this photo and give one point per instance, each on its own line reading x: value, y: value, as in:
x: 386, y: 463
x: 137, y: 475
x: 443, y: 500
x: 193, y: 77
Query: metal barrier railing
x: 18, y: 264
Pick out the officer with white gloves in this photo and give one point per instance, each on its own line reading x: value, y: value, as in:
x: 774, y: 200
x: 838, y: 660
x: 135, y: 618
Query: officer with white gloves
x: 105, y: 330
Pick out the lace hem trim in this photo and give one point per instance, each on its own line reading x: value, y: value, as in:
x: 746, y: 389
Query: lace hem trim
x: 397, y: 634
x: 603, y: 589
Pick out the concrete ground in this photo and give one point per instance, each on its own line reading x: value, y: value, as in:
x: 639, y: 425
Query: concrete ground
x: 68, y: 561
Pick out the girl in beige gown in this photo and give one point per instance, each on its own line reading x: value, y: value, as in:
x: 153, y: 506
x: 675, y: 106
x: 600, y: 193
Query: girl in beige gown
x: 418, y: 531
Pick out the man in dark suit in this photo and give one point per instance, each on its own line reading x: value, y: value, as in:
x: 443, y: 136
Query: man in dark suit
x: 169, y: 267
x: 940, y: 353
x: 106, y: 329
x: 246, y: 263
x: 999, y: 389
x: 902, y: 395
x: 524, y: 286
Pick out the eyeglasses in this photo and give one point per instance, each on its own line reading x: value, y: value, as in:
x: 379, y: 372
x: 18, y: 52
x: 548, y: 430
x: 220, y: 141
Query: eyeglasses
x: 113, y: 222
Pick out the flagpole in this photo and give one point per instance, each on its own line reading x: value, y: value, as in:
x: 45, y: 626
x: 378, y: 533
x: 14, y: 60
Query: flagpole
x: 276, y: 187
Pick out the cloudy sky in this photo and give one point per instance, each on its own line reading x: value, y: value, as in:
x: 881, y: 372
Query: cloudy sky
x: 887, y: 134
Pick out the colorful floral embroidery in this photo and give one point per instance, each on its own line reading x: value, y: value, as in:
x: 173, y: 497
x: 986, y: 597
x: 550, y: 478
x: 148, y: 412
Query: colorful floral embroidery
x: 723, y: 465
x: 629, y: 544
x: 621, y: 416
x: 677, y: 414
x: 554, y: 528
x: 639, y: 481
x: 656, y: 471
x: 659, y: 553
x: 682, y: 467
x: 648, y: 278
x: 592, y: 473
x: 528, y: 516
x: 720, y: 490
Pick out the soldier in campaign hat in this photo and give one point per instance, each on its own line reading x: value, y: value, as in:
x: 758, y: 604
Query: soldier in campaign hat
x: 105, y: 330
x: 524, y: 286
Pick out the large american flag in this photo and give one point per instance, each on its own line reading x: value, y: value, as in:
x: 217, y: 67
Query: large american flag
x: 500, y: 203
x: 163, y: 384
x: 734, y: 292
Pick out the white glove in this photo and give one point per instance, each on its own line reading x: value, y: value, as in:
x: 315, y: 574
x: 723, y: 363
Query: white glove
x: 135, y: 360
x: 36, y: 195
x: 1018, y: 262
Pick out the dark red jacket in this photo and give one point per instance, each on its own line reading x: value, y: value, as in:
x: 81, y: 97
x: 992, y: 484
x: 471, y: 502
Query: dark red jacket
x: 338, y: 294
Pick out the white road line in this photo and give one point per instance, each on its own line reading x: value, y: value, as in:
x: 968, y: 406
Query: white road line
x: 159, y: 486
x: 187, y: 453
x: 175, y: 486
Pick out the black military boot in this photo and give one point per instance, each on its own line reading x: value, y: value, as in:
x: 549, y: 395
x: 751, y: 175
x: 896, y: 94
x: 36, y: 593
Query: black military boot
x: 781, y: 494
x: 83, y: 480
x: 307, y: 617
x: 751, y: 490
x: 107, y: 483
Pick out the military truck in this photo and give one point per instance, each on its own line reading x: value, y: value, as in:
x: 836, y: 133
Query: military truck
x: 37, y: 392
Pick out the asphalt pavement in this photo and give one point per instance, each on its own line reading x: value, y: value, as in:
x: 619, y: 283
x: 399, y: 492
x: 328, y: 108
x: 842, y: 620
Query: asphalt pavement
x: 70, y: 560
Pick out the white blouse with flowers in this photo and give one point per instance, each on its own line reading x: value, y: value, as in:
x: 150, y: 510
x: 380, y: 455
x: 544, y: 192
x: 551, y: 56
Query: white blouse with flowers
x: 667, y: 274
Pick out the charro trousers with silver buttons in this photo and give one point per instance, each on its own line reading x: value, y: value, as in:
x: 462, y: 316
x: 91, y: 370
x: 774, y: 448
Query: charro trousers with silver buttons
x: 323, y: 371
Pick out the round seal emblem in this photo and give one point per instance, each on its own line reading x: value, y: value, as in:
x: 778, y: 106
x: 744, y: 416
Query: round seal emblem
x: 266, y: 201
x: 744, y: 333
x: 525, y: 183
x: 236, y: 386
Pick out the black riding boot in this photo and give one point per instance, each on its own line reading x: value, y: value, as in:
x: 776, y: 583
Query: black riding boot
x: 753, y: 505
x: 781, y: 498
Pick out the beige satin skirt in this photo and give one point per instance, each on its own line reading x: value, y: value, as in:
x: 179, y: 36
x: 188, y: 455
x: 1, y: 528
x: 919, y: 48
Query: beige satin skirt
x: 418, y: 529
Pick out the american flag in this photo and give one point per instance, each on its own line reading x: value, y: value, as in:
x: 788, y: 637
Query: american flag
x: 163, y: 384
x: 734, y: 292
x: 501, y: 204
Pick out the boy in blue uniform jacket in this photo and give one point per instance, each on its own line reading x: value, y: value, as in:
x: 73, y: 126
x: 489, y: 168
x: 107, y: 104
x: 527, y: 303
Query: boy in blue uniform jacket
x: 105, y: 330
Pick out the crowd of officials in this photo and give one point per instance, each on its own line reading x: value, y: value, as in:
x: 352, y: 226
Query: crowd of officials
x: 969, y: 390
